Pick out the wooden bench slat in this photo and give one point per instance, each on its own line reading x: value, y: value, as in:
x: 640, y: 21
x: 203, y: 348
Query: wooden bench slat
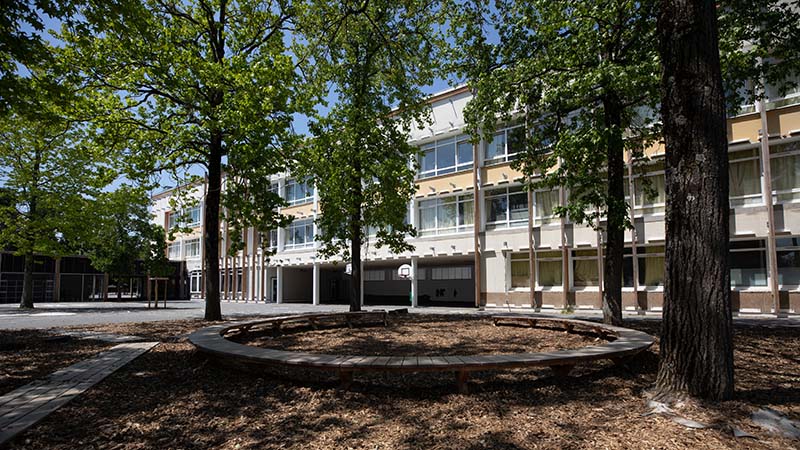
x: 626, y: 342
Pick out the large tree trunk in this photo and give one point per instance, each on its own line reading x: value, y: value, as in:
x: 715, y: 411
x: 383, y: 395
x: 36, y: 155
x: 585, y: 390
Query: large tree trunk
x: 355, y: 240
x: 696, y: 341
x: 27, y: 282
x: 617, y: 211
x: 211, y: 230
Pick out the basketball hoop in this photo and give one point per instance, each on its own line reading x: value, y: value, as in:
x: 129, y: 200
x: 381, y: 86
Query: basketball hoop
x: 404, y: 272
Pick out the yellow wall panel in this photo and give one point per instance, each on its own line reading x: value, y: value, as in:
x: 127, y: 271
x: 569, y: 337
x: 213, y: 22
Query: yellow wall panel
x: 299, y: 211
x: 445, y: 183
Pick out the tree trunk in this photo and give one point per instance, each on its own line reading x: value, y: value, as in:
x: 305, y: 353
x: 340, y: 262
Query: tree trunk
x: 696, y: 341
x: 211, y: 229
x: 27, y: 282
x: 355, y: 242
x: 617, y: 211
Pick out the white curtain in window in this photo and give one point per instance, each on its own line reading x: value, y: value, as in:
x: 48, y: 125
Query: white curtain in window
x: 585, y: 272
x: 744, y: 178
x: 546, y: 201
x: 520, y: 273
x: 550, y: 273
x: 654, y: 271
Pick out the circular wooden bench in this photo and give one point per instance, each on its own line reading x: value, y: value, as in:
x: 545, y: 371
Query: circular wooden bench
x: 211, y: 341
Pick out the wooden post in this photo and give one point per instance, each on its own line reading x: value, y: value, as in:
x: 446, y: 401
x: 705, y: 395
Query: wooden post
x: 599, y: 260
x: 147, y: 290
x: 235, y: 279
x: 634, y: 235
x: 244, y: 266
x: 766, y: 193
x: 263, y: 277
x: 225, y: 279
x: 476, y: 226
x: 166, y: 281
x: 531, y: 249
x: 156, y: 303
x: 565, y: 268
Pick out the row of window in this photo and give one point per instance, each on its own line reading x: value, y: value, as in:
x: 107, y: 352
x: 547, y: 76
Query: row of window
x: 455, y: 154
x: 188, y: 218
x: 189, y: 248
x: 748, y: 265
x: 433, y: 273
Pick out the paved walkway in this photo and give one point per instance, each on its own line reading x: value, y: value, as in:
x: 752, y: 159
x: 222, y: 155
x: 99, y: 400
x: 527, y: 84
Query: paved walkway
x: 52, y: 315
x: 24, y: 407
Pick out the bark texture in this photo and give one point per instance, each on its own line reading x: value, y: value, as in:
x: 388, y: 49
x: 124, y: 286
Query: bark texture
x: 696, y: 341
x: 211, y: 231
x: 27, y: 282
x: 355, y: 238
x: 617, y: 210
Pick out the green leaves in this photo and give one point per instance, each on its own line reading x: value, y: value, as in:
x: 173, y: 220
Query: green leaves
x: 581, y: 75
x: 375, y: 56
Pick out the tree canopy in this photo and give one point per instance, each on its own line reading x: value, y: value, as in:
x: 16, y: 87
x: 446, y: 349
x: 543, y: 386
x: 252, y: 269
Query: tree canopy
x: 195, y: 83
x: 375, y: 57
x: 51, y: 175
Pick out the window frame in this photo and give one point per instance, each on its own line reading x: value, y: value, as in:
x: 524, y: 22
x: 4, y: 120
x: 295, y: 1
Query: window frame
x: 289, y: 243
x: 191, y: 242
x: 505, y: 192
x: 295, y: 184
x: 439, y: 202
x: 505, y: 156
x: 793, y: 152
x: 434, y: 146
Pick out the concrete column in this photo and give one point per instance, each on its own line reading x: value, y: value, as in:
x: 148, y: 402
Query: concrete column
x: 280, y: 284
x: 315, y: 284
x: 414, y: 285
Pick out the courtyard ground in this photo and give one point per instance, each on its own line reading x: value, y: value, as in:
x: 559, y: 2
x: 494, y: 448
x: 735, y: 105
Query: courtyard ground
x: 173, y: 398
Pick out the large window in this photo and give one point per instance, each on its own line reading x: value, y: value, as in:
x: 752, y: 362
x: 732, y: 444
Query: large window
x: 445, y: 156
x: 446, y: 215
x: 504, y: 145
x: 374, y: 275
x: 506, y: 207
x: 651, y: 266
x: 520, y: 271
x: 272, y: 242
x: 584, y: 268
x: 788, y: 261
x: 785, y: 168
x: 174, y: 250
x: 549, y: 269
x: 190, y: 218
x: 650, y: 192
x: 451, y: 273
x: 544, y: 204
x: 783, y: 94
x: 195, y: 281
x: 299, y: 192
x: 191, y: 247
x: 300, y: 234
x: 748, y: 263
x: 744, y: 173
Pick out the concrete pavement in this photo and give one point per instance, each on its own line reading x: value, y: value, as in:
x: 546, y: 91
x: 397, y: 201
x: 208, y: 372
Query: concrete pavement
x: 49, y: 315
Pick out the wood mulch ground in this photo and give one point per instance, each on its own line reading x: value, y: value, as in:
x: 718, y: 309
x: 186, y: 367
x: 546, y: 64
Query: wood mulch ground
x: 26, y: 355
x: 173, y: 398
x: 422, y: 336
